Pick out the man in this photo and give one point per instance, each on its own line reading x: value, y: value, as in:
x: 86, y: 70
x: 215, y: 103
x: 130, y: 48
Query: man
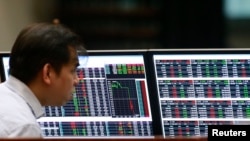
x: 43, y: 63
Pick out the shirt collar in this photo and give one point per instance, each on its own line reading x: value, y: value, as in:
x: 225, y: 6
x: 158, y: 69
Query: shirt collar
x: 24, y: 91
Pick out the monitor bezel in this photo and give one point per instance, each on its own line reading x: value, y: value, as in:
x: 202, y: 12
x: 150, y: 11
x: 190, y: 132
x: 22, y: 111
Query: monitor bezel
x: 143, y: 52
x: 201, y: 51
x: 2, y: 71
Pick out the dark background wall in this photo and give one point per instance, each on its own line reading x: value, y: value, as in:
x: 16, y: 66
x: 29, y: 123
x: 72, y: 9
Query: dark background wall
x: 132, y: 24
x: 194, y: 24
x: 135, y: 24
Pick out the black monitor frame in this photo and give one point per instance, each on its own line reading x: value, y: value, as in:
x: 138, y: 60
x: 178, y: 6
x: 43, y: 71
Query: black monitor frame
x: 151, y: 52
x: 152, y: 99
x: 2, y: 71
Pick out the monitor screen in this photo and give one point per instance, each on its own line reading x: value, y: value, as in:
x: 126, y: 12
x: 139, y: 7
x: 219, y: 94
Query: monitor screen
x: 5, y: 70
x: 110, y: 100
x: 4, y: 65
x: 202, y: 87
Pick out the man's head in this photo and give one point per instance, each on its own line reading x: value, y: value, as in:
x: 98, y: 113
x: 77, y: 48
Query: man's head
x: 42, y: 53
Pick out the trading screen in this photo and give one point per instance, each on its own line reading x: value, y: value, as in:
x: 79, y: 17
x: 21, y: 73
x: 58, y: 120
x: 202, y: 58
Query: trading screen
x: 111, y: 100
x: 197, y: 90
x: 5, y: 65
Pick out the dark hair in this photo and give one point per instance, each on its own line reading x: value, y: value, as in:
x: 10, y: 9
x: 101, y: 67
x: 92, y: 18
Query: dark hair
x: 42, y: 43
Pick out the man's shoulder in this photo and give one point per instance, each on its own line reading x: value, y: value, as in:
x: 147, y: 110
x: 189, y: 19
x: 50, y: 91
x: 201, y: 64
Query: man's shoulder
x: 18, y: 125
x: 13, y: 107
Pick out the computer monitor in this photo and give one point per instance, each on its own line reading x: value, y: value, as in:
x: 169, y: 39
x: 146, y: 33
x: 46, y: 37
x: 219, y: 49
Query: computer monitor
x: 201, y: 87
x: 111, y: 99
x: 4, y: 65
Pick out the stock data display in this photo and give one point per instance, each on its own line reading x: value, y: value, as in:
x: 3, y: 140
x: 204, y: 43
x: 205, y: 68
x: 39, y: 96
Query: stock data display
x: 96, y: 129
x: 200, y: 90
x: 110, y: 100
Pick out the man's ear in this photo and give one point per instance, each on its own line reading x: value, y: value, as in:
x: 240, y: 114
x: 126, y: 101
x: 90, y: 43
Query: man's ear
x: 47, y: 72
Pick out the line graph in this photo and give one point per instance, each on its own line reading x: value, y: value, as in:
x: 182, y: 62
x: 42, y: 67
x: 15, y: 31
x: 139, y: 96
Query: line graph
x: 124, y: 101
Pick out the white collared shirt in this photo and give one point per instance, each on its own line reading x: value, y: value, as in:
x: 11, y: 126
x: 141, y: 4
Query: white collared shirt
x: 19, y: 110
